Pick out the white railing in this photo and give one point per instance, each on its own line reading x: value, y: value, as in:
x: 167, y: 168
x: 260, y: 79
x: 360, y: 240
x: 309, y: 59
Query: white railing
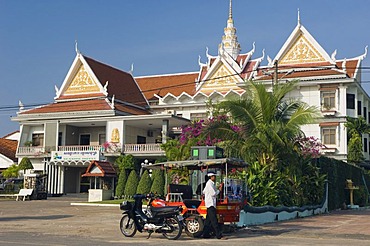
x: 127, y: 148
x: 34, y: 150
x: 80, y: 148
x: 142, y: 148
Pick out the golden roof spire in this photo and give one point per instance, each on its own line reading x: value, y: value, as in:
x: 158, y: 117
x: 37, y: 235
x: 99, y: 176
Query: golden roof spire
x: 231, y: 10
x: 229, y: 40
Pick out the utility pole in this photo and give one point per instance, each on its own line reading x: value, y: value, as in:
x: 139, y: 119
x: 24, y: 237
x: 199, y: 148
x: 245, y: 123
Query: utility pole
x: 276, y: 72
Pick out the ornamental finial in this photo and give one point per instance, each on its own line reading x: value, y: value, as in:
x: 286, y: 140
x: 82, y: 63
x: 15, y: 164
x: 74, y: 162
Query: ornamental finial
x: 230, y: 10
x: 299, y: 18
x: 76, y: 48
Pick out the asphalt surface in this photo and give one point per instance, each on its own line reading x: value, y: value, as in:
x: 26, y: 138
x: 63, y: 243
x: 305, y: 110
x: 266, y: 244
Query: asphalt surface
x: 56, y: 222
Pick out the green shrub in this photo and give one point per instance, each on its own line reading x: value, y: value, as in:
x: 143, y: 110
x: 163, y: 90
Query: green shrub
x: 158, y: 182
x: 122, y: 179
x: 131, y: 185
x: 145, y: 183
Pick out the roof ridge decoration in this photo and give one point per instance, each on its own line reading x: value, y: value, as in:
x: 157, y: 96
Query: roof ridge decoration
x: 301, y: 47
x: 229, y: 42
x: 80, y: 80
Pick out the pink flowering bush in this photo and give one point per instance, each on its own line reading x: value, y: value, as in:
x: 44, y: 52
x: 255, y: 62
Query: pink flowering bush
x: 196, y: 130
x: 310, y: 147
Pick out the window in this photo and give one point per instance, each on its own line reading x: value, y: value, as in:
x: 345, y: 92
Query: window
x: 329, y: 135
x: 359, y: 107
x: 365, y: 144
x: 350, y: 101
x: 85, y: 139
x: 328, y: 100
x: 365, y: 114
x: 38, y: 139
x: 198, y: 116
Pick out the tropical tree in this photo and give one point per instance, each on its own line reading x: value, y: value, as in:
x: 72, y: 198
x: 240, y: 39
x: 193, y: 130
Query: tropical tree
x: 25, y: 164
x: 358, y: 125
x: 125, y: 162
x: 356, y: 128
x: 269, y: 123
x: 11, y: 172
x: 355, y: 149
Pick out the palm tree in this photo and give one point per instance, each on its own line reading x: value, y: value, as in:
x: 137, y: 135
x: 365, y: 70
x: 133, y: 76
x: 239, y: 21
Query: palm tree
x: 269, y: 122
x: 356, y: 128
x: 358, y: 125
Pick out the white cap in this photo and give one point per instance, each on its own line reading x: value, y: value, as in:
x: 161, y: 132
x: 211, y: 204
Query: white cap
x: 210, y: 174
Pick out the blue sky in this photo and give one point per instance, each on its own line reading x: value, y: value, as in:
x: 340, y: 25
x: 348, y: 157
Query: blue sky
x: 37, y: 38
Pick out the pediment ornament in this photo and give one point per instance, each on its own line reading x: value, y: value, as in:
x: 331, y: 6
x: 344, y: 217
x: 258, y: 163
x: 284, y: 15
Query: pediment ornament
x: 82, y: 83
x: 302, y: 51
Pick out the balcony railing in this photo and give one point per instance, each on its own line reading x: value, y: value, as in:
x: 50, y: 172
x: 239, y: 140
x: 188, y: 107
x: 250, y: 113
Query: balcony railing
x: 142, y: 148
x: 81, y: 148
x: 127, y: 149
x: 31, y: 151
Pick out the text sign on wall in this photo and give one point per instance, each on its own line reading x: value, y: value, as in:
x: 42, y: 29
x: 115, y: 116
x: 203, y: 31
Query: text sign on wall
x: 75, y: 155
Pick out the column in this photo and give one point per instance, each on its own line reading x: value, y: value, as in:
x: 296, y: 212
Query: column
x: 165, y: 127
x: 62, y: 173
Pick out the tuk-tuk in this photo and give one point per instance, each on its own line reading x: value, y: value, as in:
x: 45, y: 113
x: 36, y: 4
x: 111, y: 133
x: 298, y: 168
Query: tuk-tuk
x: 230, y: 200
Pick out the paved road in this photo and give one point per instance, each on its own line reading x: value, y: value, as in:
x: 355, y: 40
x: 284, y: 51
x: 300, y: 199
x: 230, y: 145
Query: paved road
x: 56, y: 222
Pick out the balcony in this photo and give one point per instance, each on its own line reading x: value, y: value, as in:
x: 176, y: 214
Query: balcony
x: 112, y: 150
x: 31, y: 151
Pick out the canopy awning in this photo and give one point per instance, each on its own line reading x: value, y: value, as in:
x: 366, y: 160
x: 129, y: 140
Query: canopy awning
x: 200, y: 164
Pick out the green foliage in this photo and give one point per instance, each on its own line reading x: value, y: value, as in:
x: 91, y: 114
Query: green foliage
x: 263, y: 185
x: 175, y: 151
x: 131, y: 185
x: 158, y: 182
x: 122, y: 179
x: 356, y: 125
x: 125, y: 162
x: 269, y: 123
x: 25, y: 164
x: 11, y: 172
x: 145, y: 183
x: 355, y: 149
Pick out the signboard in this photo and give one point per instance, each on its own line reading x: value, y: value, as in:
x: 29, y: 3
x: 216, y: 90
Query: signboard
x: 85, y: 155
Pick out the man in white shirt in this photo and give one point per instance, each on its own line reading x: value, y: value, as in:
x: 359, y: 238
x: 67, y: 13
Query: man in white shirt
x: 210, y: 193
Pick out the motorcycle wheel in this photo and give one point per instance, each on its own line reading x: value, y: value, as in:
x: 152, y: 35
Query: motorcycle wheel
x: 175, y: 228
x: 127, y: 226
x: 194, y: 226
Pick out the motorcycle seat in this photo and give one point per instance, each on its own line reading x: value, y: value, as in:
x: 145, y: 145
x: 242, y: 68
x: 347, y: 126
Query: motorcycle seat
x: 167, y: 209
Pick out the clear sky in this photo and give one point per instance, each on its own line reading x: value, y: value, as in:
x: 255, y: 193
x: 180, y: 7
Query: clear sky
x: 37, y: 38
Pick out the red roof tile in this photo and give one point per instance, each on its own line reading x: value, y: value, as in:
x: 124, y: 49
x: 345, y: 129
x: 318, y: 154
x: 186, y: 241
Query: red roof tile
x: 351, y: 66
x: 120, y: 83
x: 163, y: 84
x: 70, y: 106
x: 8, y: 148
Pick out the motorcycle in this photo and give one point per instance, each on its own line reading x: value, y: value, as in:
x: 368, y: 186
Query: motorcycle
x: 166, y: 220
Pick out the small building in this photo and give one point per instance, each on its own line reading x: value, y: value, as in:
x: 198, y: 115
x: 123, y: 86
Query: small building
x: 102, y: 177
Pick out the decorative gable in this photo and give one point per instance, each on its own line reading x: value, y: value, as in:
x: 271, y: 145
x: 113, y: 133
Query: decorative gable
x: 300, y: 48
x: 302, y: 51
x: 82, y: 83
x: 222, y: 79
